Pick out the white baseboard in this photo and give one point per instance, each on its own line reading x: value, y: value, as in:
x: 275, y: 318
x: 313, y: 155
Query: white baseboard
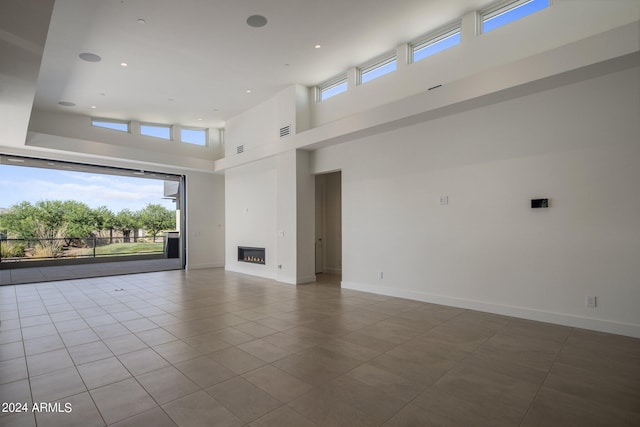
x: 506, y: 310
x: 330, y: 270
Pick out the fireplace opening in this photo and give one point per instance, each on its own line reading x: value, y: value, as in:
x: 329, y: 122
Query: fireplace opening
x: 251, y: 255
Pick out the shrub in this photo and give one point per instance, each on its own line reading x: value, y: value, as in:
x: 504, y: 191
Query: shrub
x: 11, y: 250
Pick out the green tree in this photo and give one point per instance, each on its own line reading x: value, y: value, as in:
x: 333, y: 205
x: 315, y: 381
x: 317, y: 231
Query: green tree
x: 104, y: 219
x: 80, y: 220
x: 156, y: 218
x: 126, y: 221
x: 19, y: 221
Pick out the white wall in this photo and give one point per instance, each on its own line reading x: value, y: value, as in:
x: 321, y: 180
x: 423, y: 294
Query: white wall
x: 578, y: 145
x: 270, y: 204
x: 251, y: 204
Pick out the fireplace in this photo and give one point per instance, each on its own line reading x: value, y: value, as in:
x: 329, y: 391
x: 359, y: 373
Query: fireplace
x: 251, y: 255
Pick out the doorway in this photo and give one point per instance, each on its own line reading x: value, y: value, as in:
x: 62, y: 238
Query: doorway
x: 329, y: 224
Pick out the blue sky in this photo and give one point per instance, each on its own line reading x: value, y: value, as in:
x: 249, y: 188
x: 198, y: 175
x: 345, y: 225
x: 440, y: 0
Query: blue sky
x: 19, y: 183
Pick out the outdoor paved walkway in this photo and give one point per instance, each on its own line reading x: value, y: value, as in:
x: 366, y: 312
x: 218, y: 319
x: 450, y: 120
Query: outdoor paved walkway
x: 15, y: 276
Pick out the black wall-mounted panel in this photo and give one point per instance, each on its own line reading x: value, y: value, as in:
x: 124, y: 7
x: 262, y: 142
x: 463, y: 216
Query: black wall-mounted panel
x: 539, y: 203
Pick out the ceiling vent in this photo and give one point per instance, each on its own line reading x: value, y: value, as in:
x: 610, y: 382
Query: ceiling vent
x: 240, y: 149
x: 285, y: 131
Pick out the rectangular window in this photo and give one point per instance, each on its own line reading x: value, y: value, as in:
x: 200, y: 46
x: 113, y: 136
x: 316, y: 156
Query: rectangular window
x: 156, y: 131
x: 119, y: 125
x: 194, y: 136
x: 378, y: 68
x: 436, y: 42
x: 332, y: 88
x: 509, y: 12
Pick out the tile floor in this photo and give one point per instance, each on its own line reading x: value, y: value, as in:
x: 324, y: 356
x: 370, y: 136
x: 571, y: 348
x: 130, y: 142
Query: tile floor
x: 213, y: 348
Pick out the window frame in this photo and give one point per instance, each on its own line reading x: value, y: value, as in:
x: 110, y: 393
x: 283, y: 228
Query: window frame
x: 330, y: 84
x: 114, y: 121
x: 157, y: 125
x: 194, y: 128
x: 434, y: 37
x: 376, y: 64
x: 501, y: 8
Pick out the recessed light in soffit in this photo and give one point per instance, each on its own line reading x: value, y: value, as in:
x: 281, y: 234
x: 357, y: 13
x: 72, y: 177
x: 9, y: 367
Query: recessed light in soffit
x: 256, y: 21
x: 89, y: 57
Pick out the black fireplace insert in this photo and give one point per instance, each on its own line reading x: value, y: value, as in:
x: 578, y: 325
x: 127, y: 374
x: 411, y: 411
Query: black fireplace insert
x: 251, y: 255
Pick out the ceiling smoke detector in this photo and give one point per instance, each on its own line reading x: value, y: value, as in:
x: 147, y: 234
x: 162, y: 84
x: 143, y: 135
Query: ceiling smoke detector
x: 256, y: 21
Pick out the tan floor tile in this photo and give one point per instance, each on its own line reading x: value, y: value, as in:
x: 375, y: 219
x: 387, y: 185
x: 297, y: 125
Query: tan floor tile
x: 43, y: 344
x: 81, y: 336
x: 200, y: 409
x: 176, y: 351
x: 322, y: 408
x: 596, y: 386
x: 56, y: 385
x: 156, y: 336
x: 43, y: 363
x: 204, y: 371
x: 11, y: 350
x: 16, y: 391
x: 153, y: 418
x: 553, y: 408
x: 277, y: 383
x: 283, y: 417
x: 22, y: 419
x: 447, y: 410
x: 236, y: 360
x: 425, y: 372
x: 207, y: 343
x: 110, y: 330
x: 125, y: 344
x: 38, y: 320
x: 39, y: 331
x: 121, y: 400
x: 167, y: 384
x: 71, y: 325
x: 263, y: 350
x: 89, y: 352
x: 103, y: 372
x: 142, y: 361
x: 243, y: 399
x: 9, y: 336
x: 387, y: 382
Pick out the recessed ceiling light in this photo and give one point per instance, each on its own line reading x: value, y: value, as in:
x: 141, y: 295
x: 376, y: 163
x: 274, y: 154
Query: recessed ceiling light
x: 67, y: 104
x: 248, y: 90
x: 256, y: 21
x: 124, y: 64
x: 15, y: 160
x: 93, y: 106
x: 318, y: 46
x: 89, y: 57
x: 199, y: 119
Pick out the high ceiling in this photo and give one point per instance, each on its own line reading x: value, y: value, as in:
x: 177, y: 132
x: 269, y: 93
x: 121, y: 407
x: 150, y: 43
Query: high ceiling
x: 192, y: 62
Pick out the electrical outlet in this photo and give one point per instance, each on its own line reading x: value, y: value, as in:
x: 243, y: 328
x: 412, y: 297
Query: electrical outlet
x: 591, y: 301
x: 444, y: 200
